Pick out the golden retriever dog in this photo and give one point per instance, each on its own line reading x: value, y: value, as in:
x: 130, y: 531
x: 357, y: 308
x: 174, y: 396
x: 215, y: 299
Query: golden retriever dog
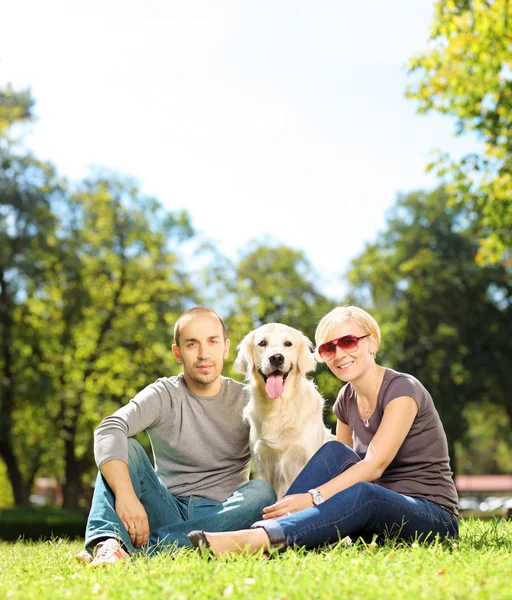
x: 285, y: 408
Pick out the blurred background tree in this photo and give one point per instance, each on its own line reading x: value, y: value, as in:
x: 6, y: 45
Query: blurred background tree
x: 486, y: 446
x: 27, y: 226
x: 15, y: 108
x: 110, y: 306
x: 467, y: 73
x: 90, y: 287
x: 445, y: 318
x: 274, y: 283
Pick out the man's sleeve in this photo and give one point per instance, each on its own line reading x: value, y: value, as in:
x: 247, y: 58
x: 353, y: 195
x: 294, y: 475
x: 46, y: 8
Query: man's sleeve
x: 143, y: 411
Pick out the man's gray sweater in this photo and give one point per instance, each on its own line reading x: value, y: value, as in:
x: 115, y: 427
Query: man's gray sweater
x: 200, y: 443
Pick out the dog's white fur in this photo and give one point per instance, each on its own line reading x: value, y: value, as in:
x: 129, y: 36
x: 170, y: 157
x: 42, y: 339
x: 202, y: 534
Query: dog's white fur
x: 286, y: 431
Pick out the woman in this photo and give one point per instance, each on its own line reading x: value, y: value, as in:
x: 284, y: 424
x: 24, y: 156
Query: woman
x: 389, y: 471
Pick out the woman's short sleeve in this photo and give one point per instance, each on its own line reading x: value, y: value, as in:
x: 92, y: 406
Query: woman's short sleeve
x: 404, y: 385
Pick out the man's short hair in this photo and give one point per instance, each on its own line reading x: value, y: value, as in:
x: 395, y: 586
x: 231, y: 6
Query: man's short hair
x: 197, y: 310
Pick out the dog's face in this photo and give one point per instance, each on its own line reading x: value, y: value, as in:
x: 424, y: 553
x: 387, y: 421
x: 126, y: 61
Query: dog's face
x: 275, y: 352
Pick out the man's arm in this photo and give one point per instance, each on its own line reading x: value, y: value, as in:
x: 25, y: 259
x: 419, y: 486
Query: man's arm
x: 128, y: 507
x: 111, y: 453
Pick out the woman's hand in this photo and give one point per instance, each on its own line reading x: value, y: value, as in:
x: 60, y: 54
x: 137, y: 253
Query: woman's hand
x: 288, y: 505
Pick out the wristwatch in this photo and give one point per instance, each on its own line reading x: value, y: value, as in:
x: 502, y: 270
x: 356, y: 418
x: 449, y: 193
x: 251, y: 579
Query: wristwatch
x: 318, y: 497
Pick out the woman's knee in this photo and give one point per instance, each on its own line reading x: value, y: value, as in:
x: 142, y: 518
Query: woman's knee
x: 364, y: 490
x: 336, y: 451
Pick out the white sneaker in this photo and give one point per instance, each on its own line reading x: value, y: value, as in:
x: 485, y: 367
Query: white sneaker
x: 108, y: 552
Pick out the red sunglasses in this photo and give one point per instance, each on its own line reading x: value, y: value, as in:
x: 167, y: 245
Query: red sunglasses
x: 348, y: 343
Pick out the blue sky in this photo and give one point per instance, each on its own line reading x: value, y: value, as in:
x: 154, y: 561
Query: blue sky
x: 274, y: 119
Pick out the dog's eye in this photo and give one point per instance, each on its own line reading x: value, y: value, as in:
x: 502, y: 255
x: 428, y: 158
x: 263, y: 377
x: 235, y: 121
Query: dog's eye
x: 288, y: 343
x: 262, y: 343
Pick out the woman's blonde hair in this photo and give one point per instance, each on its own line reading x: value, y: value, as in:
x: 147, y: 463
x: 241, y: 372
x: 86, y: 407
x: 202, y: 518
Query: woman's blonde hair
x: 339, y: 315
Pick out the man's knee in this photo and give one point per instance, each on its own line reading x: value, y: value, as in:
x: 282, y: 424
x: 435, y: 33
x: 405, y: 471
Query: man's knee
x: 260, y: 492
x: 137, y: 456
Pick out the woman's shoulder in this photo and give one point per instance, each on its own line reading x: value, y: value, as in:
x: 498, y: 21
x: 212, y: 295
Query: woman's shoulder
x: 392, y: 376
x: 343, y: 402
x: 396, y: 384
x: 346, y: 393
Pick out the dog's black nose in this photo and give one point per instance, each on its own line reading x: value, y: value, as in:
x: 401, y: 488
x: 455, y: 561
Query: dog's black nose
x: 276, y: 360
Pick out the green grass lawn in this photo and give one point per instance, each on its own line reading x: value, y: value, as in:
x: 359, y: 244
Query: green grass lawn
x: 478, y: 565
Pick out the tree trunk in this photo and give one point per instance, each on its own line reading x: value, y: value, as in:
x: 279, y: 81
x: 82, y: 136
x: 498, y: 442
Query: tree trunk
x: 72, y: 488
x: 20, y: 491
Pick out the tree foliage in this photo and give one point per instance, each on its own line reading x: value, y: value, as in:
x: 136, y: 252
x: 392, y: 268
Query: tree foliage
x: 445, y: 319
x: 467, y: 73
x: 274, y: 283
x: 27, y: 226
x: 90, y: 286
x: 15, y: 107
x: 486, y: 447
x: 110, y: 305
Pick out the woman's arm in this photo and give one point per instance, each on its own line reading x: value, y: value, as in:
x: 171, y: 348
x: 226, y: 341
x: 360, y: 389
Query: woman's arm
x: 396, y: 423
x: 344, y: 433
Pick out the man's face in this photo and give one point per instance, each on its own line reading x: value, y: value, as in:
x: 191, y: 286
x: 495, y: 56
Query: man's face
x: 202, y: 351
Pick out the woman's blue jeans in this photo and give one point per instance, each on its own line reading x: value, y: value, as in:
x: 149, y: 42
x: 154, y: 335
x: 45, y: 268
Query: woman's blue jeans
x: 362, y: 510
x: 171, y: 517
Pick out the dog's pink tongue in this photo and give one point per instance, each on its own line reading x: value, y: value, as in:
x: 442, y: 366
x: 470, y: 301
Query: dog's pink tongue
x: 274, y: 385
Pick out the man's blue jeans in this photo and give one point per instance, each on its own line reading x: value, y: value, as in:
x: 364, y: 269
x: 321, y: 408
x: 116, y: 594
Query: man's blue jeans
x: 362, y: 510
x: 171, y: 517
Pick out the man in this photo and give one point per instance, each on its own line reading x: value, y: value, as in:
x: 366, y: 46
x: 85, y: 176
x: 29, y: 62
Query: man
x: 200, y: 448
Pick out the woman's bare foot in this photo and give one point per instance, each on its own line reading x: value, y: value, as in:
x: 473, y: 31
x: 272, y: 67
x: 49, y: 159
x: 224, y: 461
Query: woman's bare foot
x: 249, y: 541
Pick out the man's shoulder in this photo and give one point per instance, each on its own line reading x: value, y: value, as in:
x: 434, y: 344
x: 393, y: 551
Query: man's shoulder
x: 234, y: 387
x: 175, y: 381
x: 164, y: 386
x: 232, y: 382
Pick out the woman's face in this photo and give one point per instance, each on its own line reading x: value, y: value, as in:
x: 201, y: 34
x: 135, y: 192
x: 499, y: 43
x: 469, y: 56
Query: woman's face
x: 349, y: 366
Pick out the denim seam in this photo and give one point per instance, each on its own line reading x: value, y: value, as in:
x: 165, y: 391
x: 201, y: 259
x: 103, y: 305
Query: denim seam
x: 162, y: 495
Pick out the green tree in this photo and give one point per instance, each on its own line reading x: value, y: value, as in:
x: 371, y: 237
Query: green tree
x: 107, y: 309
x: 90, y: 285
x: 467, y: 73
x: 15, y: 108
x: 486, y: 447
x: 27, y: 223
x: 445, y: 319
x: 275, y: 283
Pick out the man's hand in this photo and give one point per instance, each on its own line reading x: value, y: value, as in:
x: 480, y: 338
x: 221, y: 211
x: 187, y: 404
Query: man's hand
x: 288, y: 505
x: 128, y: 507
x: 134, y: 518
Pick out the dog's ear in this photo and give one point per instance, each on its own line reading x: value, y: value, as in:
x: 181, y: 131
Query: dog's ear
x: 244, y: 362
x: 307, y: 362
